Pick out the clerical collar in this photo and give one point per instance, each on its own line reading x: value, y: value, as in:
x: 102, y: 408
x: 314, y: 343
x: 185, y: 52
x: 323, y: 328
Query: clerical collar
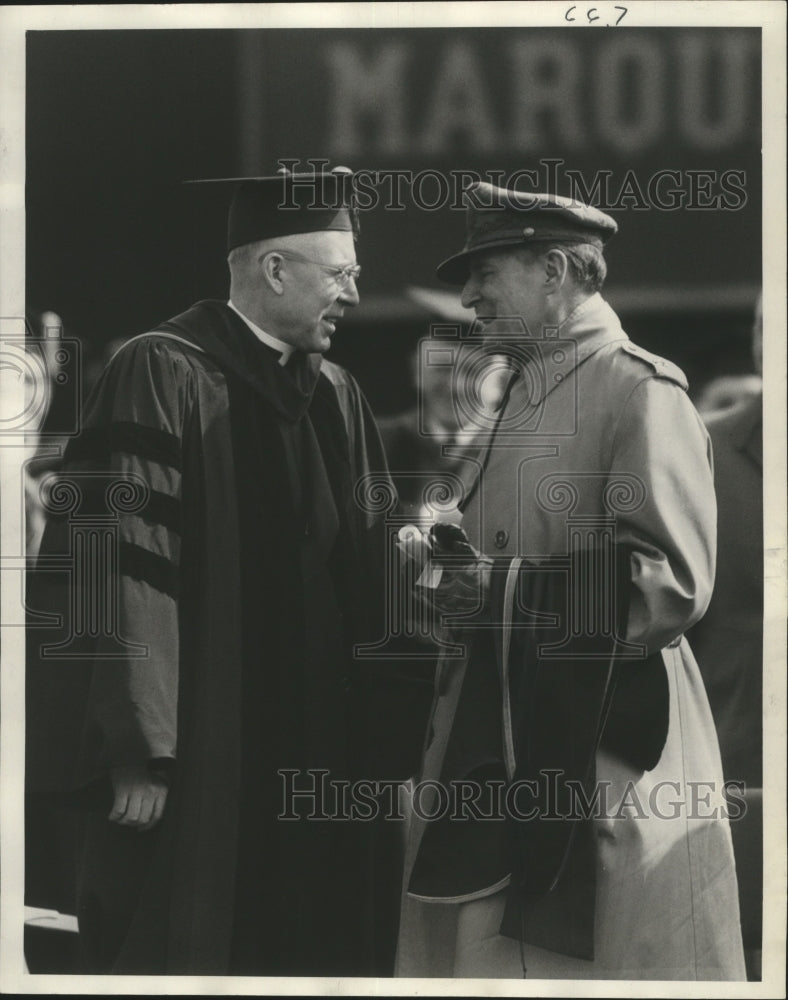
x: 286, y: 350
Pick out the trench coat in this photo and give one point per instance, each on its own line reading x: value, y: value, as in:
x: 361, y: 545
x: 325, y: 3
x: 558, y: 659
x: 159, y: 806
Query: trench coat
x: 595, y: 430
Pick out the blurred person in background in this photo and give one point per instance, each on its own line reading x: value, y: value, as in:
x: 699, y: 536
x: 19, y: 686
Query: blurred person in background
x: 428, y: 438
x: 728, y: 390
x: 728, y: 640
x: 588, y: 552
x: 218, y: 657
x: 731, y: 390
x: 52, y: 395
x: 46, y: 439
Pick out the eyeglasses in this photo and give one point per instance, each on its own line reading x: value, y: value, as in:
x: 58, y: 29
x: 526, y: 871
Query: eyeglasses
x: 342, y: 275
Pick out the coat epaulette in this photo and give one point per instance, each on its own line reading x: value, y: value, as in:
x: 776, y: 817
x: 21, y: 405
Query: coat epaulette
x: 660, y: 366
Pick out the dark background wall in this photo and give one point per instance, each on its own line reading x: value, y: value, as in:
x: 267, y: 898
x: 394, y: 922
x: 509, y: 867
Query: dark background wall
x: 116, y: 120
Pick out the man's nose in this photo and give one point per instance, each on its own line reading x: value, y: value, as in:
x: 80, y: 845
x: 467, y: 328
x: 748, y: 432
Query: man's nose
x: 470, y: 294
x: 349, y: 295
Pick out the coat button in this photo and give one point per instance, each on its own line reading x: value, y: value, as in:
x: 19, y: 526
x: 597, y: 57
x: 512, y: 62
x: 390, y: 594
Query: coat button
x: 501, y: 539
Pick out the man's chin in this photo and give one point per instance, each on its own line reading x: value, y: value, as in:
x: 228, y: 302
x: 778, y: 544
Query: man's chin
x: 323, y: 335
x: 483, y: 324
x: 501, y: 328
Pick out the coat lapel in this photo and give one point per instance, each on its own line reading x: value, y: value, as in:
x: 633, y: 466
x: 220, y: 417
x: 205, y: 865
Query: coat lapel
x: 547, y: 362
x: 543, y: 365
x: 477, y: 454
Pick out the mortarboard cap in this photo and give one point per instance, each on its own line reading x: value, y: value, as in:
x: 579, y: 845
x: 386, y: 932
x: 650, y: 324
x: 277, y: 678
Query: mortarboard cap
x: 287, y: 204
x: 497, y: 217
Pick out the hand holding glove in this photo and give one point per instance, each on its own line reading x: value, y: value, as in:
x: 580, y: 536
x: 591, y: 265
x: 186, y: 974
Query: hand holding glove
x: 455, y: 577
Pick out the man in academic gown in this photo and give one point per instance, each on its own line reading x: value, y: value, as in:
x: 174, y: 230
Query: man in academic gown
x: 581, y: 831
x: 212, y: 571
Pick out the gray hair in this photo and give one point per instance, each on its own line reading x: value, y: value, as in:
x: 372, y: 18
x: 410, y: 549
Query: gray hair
x: 245, y: 255
x: 587, y: 266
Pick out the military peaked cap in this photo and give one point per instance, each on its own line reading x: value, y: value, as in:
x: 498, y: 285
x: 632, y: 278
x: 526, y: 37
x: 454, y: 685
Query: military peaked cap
x: 497, y: 217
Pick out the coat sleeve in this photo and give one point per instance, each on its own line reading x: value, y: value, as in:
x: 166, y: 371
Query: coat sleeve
x: 121, y: 615
x: 661, y: 440
x: 134, y: 704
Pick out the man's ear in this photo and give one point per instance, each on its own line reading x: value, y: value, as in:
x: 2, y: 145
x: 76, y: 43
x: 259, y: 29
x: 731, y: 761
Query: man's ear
x: 270, y: 268
x: 556, y: 268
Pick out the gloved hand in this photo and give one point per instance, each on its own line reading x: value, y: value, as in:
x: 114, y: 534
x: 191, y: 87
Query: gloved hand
x: 455, y: 577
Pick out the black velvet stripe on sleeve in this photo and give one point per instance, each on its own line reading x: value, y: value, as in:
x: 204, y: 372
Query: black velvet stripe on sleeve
x: 152, y: 443
x: 163, y: 509
x: 153, y: 569
x: 159, y: 508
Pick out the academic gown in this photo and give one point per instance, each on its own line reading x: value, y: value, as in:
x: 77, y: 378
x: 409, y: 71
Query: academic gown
x: 214, y: 637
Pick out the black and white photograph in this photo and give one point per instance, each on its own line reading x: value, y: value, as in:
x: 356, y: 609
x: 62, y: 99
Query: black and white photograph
x: 393, y: 457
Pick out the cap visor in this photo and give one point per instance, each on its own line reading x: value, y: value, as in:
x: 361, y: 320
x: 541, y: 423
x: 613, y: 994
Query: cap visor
x: 454, y: 270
